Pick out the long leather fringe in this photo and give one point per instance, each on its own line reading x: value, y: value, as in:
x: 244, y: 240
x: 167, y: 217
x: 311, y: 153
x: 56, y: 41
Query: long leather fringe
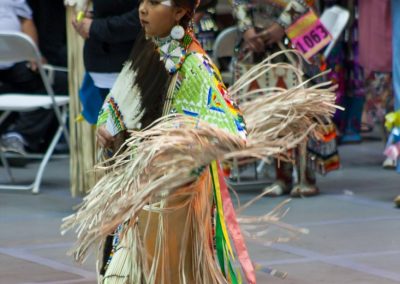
x: 167, y: 155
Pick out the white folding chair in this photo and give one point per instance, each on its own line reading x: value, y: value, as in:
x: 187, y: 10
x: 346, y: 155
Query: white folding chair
x: 224, y: 46
x: 17, y: 47
x: 335, y: 20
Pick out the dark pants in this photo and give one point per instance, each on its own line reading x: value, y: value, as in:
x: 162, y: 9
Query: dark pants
x: 19, y: 79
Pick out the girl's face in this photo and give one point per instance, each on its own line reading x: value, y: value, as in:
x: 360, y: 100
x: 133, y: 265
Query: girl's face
x: 159, y: 16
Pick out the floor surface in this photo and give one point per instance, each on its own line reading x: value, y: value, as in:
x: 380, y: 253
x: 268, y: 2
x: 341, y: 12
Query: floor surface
x: 354, y: 229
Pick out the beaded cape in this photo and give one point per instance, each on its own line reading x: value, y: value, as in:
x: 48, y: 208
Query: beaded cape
x: 198, y: 92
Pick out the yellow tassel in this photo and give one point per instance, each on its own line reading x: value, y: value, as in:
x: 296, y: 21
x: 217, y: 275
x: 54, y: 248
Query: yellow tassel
x: 79, y: 118
x: 80, y: 16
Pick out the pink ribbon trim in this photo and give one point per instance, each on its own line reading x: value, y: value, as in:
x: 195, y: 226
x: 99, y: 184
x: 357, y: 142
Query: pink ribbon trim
x: 393, y: 151
x: 235, y: 232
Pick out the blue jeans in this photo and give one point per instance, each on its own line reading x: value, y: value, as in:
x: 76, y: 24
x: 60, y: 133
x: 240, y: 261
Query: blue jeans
x: 92, y: 99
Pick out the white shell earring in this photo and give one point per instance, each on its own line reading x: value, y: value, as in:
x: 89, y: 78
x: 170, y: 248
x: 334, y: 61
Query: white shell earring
x: 177, y: 32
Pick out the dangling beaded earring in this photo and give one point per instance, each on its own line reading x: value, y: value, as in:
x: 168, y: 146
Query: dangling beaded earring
x: 191, y: 26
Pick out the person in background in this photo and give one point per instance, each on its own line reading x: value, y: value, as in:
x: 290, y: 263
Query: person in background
x: 25, y: 131
x: 375, y: 25
x: 49, y: 18
x: 109, y: 30
x: 16, y: 16
x: 396, y: 65
x: 396, y: 52
x: 375, y: 32
x: 205, y: 25
x: 263, y: 26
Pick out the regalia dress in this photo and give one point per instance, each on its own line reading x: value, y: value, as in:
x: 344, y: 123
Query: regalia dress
x: 164, y: 201
x: 173, y: 240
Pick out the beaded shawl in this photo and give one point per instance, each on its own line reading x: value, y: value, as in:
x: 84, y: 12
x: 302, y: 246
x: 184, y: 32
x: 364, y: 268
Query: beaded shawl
x: 198, y: 91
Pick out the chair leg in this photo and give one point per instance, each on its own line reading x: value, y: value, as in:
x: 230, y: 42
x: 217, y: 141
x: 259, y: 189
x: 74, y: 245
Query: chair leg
x: 61, y: 117
x: 61, y: 129
x: 46, y: 158
x: 35, y: 186
x: 6, y: 166
x: 4, y: 115
x: 64, y: 125
x: 3, y: 158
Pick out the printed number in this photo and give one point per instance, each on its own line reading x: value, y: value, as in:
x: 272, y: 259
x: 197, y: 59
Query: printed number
x: 308, y: 41
x: 301, y: 47
x: 323, y: 31
x: 315, y: 36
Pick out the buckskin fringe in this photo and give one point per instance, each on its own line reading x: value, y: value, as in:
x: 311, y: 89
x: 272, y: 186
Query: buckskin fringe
x: 162, y: 158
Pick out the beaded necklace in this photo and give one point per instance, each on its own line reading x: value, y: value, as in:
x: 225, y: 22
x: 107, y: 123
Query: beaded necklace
x: 173, y: 52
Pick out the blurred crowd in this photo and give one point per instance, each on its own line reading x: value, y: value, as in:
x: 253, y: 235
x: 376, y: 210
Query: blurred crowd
x: 364, y: 63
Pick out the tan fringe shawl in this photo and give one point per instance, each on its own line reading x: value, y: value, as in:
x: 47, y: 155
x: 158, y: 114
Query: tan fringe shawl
x: 160, y: 159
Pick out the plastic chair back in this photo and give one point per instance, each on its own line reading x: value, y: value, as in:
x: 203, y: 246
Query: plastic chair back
x: 15, y: 46
x: 224, y: 45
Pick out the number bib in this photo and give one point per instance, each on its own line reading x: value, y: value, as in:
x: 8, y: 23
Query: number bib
x: 308, y: 34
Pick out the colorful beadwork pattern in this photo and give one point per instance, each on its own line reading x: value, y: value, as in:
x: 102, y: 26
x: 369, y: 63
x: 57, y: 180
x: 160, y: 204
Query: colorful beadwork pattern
x: 202, y: 94
x: 173, y: 52
x: 173, y: 55
x: 111, y: 110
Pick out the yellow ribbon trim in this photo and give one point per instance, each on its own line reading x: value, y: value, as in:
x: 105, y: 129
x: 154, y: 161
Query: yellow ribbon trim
x: 302, y: 25
x: 218, y: 198
x: 392, y: 120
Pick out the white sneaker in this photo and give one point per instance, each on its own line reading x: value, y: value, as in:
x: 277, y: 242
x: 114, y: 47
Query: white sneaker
x: 389, y: 163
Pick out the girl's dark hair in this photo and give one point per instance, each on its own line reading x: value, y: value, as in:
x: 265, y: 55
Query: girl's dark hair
x: 190, y: 5
x: 151, y: 77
